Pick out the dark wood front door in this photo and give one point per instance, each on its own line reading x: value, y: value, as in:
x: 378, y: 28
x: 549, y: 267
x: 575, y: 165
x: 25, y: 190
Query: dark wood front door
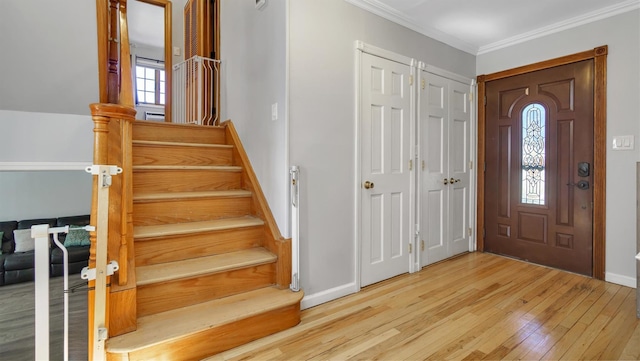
x: 539, y: 167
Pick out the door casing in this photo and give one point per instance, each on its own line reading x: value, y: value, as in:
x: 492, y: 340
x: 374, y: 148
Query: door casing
x: 599, y: 56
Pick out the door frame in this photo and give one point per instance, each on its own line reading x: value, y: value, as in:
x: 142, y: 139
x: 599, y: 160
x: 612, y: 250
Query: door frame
x: 360, y: 49
x: 599, y: 57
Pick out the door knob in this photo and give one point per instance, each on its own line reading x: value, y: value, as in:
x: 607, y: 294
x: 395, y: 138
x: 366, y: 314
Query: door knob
x: 368, y: 185
x: 446, y: 181
x: 454, y: 180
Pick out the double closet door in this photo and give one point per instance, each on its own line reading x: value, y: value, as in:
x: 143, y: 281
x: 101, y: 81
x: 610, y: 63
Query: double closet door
x: 444, y: 128
x: 407, y: 195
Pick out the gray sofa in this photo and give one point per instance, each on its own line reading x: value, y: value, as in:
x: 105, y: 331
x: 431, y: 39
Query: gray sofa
x: 16, y: 267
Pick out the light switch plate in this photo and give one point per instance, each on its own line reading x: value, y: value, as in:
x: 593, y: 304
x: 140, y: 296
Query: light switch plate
x: 623, y: 142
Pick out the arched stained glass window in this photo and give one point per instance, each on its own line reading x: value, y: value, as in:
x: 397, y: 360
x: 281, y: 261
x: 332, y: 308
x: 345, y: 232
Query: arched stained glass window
x: 533, y: 154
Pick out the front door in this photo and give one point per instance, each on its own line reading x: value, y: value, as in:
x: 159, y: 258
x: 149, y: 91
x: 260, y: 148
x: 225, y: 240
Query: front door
x: 385, y: 131
x: 539, y: 159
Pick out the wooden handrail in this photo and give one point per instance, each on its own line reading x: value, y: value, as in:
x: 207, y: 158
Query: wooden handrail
x: 126, y: 82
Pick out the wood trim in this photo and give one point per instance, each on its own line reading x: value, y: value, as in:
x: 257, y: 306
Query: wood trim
x: 274, y: 240
x: 481, y: 164
x: 568, y: 59
x: 599, y: 55
x: 599, y: 161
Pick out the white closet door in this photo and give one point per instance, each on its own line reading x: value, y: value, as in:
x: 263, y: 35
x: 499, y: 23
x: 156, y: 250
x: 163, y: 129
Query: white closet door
x: 386, y: 180
x: 444, y: 142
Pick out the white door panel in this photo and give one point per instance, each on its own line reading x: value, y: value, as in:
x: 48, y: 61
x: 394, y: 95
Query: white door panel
x: 385, y: 152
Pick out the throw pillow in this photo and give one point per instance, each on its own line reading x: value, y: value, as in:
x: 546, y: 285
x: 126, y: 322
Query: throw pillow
x: 77, y: 237
x: 24, y: 242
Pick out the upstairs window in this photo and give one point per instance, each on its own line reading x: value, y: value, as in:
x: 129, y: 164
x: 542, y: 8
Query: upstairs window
x: 150, y: 82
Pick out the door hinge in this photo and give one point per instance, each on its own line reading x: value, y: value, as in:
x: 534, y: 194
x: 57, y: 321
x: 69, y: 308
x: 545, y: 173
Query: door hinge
x: 470, y: 231
x: 470, y: 164
x: 471, y: 97
x: 423, y: 165
x: 485, y: 100
x: 410, y: 164
x: 410, y: 79
x: 410, y: 248
x: 422, y: 245
x: 423, y: 84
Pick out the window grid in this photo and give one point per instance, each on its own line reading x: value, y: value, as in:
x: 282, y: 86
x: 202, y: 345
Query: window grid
x: 150, y: 85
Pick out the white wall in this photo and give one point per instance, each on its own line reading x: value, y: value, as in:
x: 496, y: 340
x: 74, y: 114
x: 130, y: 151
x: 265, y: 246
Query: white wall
x: 49, y: 63
x: 253, y: 54
x: 177, y: 28
x: 322, y: 127
x: 622, y: 34
x: 48, y: 78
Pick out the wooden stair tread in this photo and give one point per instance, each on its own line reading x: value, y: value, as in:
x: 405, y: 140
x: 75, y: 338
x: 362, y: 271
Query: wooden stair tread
x: 227, y: 168
x: 142, y: 232
x: 234, y: 193
x: 203, y: 265
x: 175, y: 324
x: 179, y: 144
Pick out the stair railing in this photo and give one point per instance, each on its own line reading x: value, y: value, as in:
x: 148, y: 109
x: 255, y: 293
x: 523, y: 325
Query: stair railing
x: 196, y: 91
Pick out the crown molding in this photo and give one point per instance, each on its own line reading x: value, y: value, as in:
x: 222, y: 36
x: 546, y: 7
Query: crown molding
x: 391, y: 14
x: 563, y: 25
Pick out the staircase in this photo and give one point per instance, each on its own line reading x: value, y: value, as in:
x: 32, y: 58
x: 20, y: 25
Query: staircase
x: 210, y: 274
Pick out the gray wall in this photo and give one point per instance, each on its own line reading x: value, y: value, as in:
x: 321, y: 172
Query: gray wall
x: 622, y: 34
x: 253, y: 54
x: 49, y: 76
x: 322, y: 126
x: 49, y: 63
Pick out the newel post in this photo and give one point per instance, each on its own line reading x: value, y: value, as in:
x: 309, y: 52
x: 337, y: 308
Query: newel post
x: 112, y: 146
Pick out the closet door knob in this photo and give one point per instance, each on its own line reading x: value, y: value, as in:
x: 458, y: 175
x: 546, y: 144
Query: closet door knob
x: 368, y: 185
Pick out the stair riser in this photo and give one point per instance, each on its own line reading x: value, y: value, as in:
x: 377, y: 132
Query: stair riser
x: 218, y: 339
x: 145, y: 154
x: 165, y: 296
x: 148, y: 181
x: 189, y: 210
x: 170, y: 133
x: 154, y: 251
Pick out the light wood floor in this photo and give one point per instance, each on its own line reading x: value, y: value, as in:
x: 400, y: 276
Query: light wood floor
x: 477, y: 306
x: 17, y: 320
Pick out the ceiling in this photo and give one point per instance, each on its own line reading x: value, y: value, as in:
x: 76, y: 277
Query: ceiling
x: 478, y: 26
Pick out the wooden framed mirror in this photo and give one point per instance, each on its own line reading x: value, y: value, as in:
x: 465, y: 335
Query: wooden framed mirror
x: 150, y: 32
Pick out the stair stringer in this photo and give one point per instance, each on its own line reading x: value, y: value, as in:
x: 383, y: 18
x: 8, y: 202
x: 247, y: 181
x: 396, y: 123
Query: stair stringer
x: 274, y: 241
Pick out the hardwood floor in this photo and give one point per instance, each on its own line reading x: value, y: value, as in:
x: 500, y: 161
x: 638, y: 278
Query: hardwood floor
x: 17, y: 320
x: 477, y: 306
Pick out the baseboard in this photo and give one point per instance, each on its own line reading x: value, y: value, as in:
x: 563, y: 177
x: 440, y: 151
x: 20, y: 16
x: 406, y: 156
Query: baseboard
x: 328, y: 295
x: 620, y: 279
